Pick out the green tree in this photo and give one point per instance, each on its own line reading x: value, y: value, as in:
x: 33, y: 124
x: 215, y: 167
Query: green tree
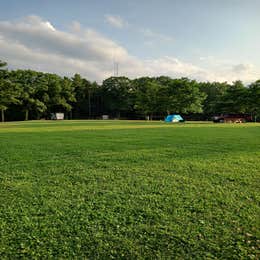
x: 117, y: 93
x: 254, y: 99
x: 3, y: 64
x: 166, y: 95
x: 148, y: 96
x: 8, y: 91
x: 9, y: 95
x: 84, y: 90
x: 29, y: 83
x: 60, y: 93
x: 214, y: 92
x: 235, y: 99
x: 184, y: 96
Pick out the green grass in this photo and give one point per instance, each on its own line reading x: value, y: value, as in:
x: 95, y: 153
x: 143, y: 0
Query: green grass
x: 129, y: 190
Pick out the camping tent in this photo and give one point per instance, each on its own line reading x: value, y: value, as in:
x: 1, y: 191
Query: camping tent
x: 173, y: 119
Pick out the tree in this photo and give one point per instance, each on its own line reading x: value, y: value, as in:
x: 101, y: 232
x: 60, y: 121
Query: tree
x: 83, y: 94
x: 148, y: 96
x: 8, y: 91
x: 235, y: 99
x: 38, y: 94
x: 166, y: 95
x: 184, y: 96
x: 30, y: 84
x: 254, y: 99
x: 3, y: 64
x: 117, y: 93
x: 60, y: 93
x: 214, y: 92
x: 9, y: 94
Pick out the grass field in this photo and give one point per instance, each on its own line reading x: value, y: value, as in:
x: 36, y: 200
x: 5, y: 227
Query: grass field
x: 129, y: 190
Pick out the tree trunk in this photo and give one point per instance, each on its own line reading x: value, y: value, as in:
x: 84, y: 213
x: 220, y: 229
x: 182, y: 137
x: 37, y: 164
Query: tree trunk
x: 89, y: 105
x: 38, y: 117
x: 3, y: 115
x: 26, y: 115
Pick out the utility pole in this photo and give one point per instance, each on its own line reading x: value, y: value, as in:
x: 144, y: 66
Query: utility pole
x: 116, y: 69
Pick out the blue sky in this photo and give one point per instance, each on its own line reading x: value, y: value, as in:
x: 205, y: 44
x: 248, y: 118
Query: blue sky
x: 201, y: 39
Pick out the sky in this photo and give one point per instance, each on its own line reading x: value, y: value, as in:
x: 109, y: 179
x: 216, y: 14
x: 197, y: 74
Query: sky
x: 206, y: 40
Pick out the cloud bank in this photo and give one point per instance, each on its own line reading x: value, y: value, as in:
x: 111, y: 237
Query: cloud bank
x: 35, y: 43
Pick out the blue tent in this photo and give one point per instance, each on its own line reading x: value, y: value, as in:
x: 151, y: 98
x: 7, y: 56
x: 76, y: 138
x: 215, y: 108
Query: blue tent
x: 173, y: 119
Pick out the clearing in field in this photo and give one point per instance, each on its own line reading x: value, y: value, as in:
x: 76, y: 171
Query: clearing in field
x: 103, y: 189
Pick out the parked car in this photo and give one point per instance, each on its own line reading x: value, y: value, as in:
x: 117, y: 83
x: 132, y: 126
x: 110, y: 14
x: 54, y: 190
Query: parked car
x: 232, y: 118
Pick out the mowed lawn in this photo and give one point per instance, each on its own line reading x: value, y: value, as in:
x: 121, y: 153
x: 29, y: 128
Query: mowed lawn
x: 129, y: 190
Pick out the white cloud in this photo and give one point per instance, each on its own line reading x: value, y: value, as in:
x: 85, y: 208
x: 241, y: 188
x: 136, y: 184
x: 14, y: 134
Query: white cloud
x: 42, y: 36
x: 115, y: 21
x: 206, y: 58
x: 223, y: 69
x: 75, y: 27
x: 242, y: 68
x: 35, y: 43
x: 148, y: 33
x: 171, y: 66
x: 244, y: 71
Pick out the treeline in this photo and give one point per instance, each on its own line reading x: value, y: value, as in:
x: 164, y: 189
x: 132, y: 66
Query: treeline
x: 27, y: 94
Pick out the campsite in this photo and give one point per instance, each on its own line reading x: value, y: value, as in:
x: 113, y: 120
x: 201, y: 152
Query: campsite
x: 129, y: 189
x: 130, y: 130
